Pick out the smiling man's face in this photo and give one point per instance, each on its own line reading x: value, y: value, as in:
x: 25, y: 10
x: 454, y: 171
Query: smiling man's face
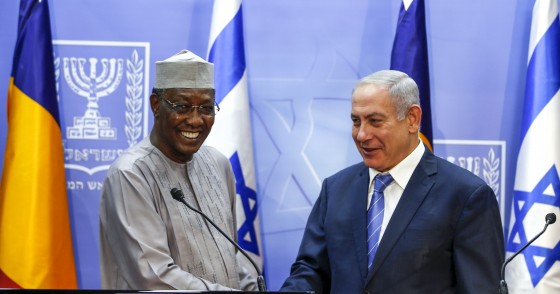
x: 179, y: 134
x: 382, y: 139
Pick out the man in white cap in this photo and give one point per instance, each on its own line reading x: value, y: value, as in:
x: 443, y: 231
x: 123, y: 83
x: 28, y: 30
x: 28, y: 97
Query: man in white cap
x: 148, y: 239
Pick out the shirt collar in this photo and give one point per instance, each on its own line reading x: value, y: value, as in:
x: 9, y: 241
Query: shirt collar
x: 402, y: 172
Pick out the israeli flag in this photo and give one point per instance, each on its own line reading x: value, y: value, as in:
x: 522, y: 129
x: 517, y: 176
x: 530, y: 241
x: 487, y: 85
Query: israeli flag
x: 231, y: 133
x: 537, y: 185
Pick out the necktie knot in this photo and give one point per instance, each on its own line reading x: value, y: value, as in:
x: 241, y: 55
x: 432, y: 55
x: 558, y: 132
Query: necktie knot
x: 381, y: 182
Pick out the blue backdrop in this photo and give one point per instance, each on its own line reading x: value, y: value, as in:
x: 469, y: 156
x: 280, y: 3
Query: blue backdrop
x: 303, y: 58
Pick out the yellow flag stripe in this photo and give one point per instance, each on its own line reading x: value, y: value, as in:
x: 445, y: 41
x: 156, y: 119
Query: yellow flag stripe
x: 35, y: 235
x: 426, y: 141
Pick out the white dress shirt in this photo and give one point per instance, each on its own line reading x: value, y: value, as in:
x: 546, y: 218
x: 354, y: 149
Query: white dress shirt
x: 401, y: 174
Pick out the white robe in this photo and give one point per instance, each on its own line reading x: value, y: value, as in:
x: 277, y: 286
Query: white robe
x: 150, y: 241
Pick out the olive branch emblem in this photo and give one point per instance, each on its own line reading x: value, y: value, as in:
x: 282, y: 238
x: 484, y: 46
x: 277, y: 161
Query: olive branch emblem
x: 133, y: 100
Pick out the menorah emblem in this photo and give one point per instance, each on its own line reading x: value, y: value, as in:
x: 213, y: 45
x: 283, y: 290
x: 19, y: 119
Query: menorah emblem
x: 92, y: 125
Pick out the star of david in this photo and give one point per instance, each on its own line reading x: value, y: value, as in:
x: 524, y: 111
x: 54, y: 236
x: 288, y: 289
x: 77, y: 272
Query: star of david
x: 246, y: 194
x: 550, y: 256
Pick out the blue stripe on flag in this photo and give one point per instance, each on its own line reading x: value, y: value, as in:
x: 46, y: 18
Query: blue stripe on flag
x: 228, y: 55
x: 410, y: 55
x: 32, y: 75
x: 543, y: 75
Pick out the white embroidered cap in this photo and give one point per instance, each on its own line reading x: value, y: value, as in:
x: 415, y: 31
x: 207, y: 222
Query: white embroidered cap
x: 184, y: 70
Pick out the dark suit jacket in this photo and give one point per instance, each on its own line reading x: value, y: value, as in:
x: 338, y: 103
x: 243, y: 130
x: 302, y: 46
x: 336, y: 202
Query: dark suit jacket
x: 445, y: 236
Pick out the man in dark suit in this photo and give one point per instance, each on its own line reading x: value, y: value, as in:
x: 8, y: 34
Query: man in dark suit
x: 404, y: 220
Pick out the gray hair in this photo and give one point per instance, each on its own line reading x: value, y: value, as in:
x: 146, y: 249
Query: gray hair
x: 402, y: 89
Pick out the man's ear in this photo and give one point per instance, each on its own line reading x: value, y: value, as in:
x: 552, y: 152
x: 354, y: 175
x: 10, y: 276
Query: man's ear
x: 154, y: 104
x: 413, y: 118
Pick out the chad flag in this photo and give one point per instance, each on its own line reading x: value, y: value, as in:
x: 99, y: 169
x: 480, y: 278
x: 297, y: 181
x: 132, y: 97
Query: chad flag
x: 410, y: 55
x: 35, y: 239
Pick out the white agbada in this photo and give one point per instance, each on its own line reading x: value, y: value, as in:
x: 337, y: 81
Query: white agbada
x: 150, y: 241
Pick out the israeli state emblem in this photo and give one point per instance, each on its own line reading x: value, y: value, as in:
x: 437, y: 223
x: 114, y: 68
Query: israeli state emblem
x: 103, y: 97
x: 483, y: 158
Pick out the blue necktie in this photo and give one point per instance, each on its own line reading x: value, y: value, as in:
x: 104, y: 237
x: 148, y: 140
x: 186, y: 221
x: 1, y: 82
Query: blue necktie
x: 375, y: 214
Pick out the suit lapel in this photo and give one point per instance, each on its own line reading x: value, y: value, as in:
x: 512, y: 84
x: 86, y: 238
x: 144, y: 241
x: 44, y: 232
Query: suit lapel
x: 358, y: 191
x: 414, y: 194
